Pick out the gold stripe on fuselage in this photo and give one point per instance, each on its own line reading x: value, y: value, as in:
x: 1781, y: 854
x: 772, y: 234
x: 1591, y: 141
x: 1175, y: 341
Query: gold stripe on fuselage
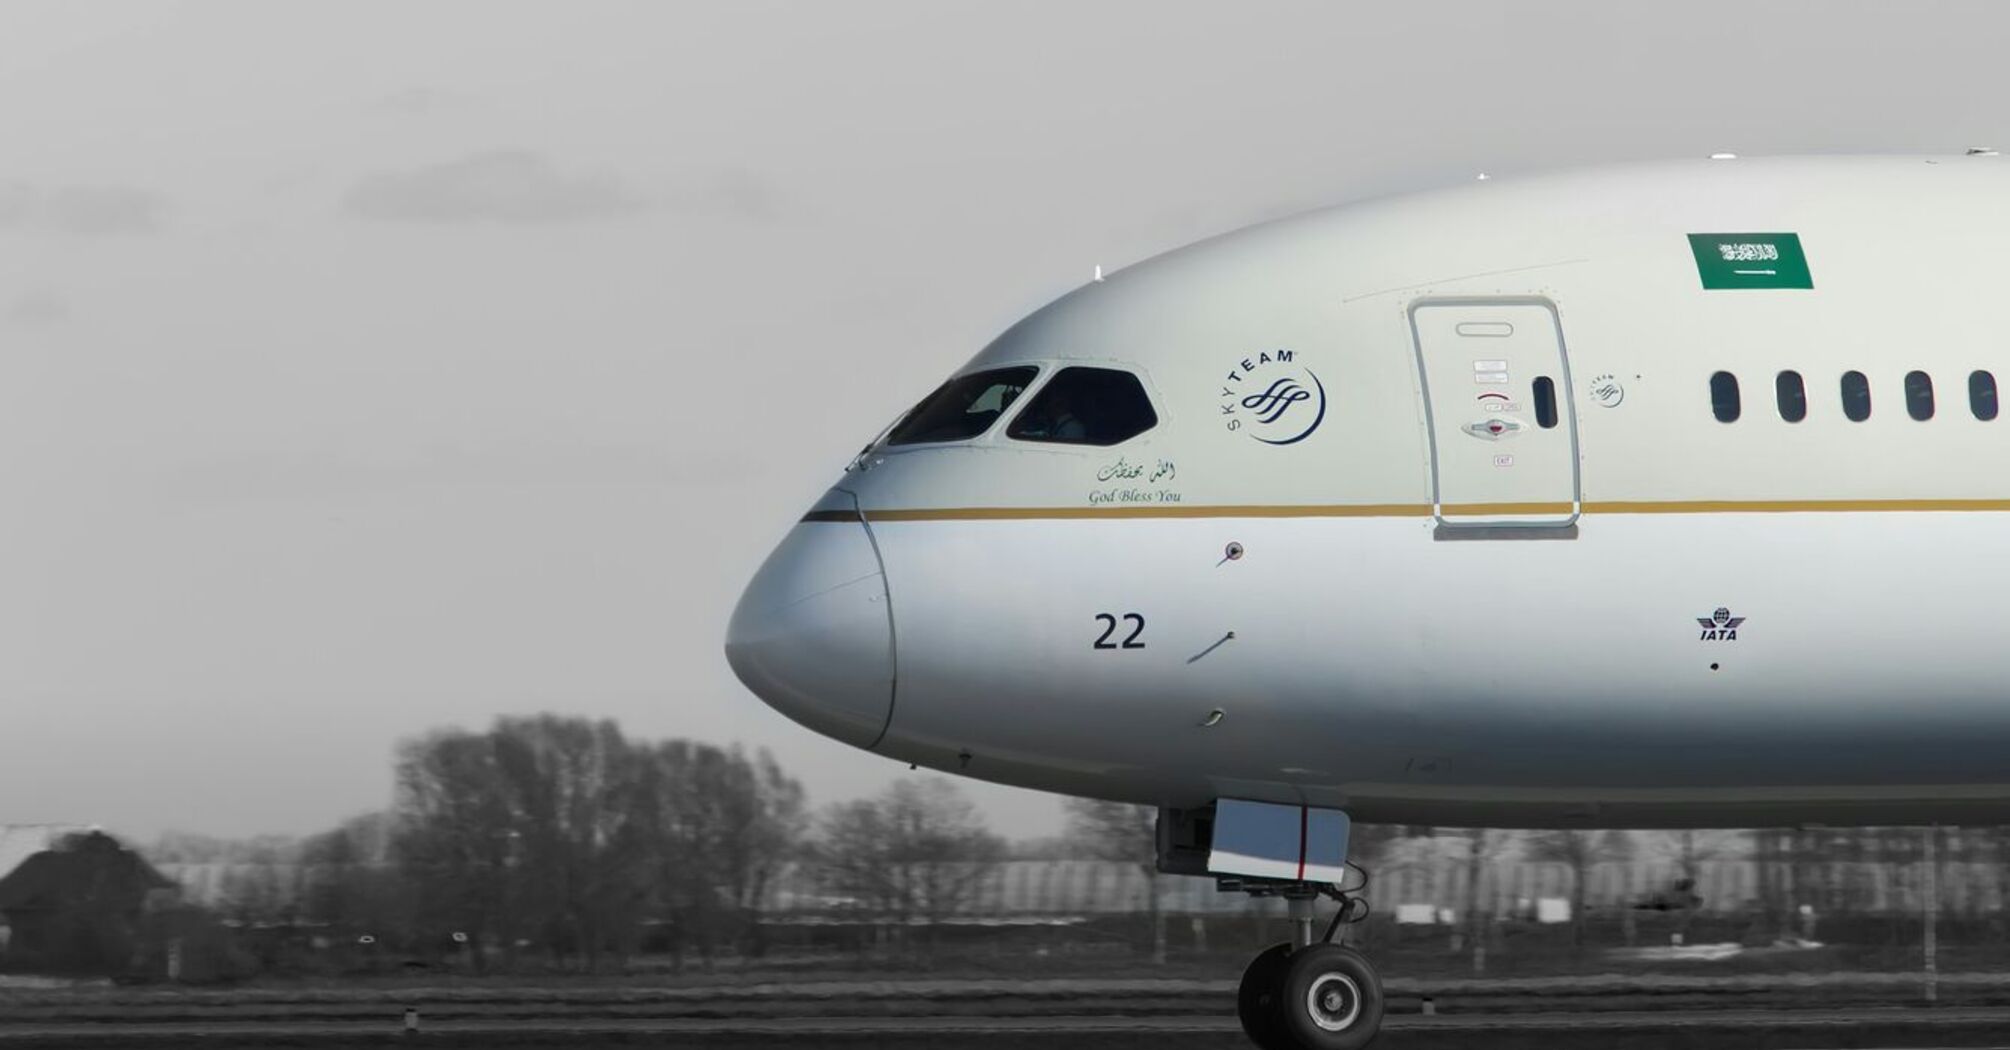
x: 1419, y: 510
x: 1792, y: 506
x: 1157, y: 510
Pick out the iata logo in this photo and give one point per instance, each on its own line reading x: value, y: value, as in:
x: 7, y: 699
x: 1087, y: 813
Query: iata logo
x: 1272, y: 399
x: 1720, y: 626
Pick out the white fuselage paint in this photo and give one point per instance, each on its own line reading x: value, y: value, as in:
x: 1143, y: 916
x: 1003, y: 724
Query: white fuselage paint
x: 1531, y: 654
x: 1461, y: 685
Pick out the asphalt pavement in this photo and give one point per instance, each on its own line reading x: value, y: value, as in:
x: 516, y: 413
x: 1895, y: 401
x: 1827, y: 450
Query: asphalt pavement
x: 1798, y: 1029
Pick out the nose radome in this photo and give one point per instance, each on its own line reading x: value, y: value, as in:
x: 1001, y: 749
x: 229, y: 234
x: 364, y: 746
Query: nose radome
x: 813, y: 634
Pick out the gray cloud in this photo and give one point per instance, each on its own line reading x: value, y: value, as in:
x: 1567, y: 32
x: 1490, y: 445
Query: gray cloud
x: 328, y: 473
x: 38, y: 310
x: 502, y: 186
x: 736, y: 192
x: 81, y: 209
x: 424, y: 100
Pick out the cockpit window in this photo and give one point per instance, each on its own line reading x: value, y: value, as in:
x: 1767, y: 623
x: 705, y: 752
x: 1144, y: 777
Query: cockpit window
x: 964, y: 407
x: 1086, y: 406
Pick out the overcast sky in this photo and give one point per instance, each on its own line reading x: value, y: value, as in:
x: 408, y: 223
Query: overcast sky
x: 371, y: 367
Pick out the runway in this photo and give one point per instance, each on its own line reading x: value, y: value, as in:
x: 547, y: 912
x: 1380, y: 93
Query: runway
x: 1773, y: 1029
x: 1834, y: 1011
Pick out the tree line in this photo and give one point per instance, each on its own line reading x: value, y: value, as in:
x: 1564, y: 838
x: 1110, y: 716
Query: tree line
x: 559, y: 841
x: 563, y: 840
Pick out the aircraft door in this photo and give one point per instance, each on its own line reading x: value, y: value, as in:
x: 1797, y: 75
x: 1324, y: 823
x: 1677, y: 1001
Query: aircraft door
x: 1497, y: 396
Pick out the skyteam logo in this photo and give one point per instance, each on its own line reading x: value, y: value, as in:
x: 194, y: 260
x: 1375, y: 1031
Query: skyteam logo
x: 1273, y: 399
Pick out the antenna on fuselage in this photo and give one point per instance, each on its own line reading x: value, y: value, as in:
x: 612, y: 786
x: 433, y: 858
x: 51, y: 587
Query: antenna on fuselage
x: 1099, y: 273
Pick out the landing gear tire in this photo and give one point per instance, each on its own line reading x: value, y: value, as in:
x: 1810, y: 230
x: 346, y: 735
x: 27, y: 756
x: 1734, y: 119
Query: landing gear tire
x: 1256, y: 1001
x: 1329, y: 999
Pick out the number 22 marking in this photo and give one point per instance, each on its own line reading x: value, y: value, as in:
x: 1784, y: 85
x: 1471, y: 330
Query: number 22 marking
x: 1110, y: 628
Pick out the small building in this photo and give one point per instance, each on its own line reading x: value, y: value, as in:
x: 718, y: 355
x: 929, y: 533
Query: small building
x: 79, y: 906
x: 18, y: 842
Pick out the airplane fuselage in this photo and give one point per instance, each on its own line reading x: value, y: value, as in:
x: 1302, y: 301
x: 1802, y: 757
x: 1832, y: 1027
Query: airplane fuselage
x: 1446, y: 513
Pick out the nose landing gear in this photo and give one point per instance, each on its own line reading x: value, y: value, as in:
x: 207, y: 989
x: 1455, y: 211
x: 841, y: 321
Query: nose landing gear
x: 1329, y: 999
x: 1303, y: 995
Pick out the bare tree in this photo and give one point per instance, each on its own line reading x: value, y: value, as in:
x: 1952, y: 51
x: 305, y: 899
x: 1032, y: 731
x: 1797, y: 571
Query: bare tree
x: 254, y: 892
x: 768, y: 818
x: 453, y: 837
x: 1369, y: 843
x: 1579, y: 850
x: 1127, y: 833
x: 574, y: 794
x: 550, y: 831
x: 1482, y: 846
x: 347, y: 880
x: 533, y: 826
x: 916, y: 853
x: 721, y: 828
x: 684, y: 830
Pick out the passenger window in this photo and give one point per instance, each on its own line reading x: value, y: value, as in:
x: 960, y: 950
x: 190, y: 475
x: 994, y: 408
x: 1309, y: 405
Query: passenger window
x: 1855, y: 397
x: 964, y: 407
x: 1919, y: 396
x: 1086, y: 406
x: 1792, y: 395
x: 1982, y: 395
x: 1724, y: 397
x: 1545, y: 402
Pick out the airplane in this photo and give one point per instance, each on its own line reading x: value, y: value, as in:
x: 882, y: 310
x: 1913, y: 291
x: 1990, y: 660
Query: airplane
x: 1652, y: 495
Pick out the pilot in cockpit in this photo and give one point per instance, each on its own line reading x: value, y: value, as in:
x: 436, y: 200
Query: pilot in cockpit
x: 1052, y: 417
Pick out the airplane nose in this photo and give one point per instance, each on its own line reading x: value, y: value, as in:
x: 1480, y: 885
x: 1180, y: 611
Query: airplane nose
x: 813, y: 634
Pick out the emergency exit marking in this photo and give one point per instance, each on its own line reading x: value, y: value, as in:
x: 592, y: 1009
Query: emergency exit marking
x: 1490, y: 378
x: 1503, y: 461
x: 1750, y: 260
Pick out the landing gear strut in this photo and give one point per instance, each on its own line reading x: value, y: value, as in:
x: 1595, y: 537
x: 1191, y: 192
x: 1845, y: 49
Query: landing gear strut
x: 1307, y: 995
